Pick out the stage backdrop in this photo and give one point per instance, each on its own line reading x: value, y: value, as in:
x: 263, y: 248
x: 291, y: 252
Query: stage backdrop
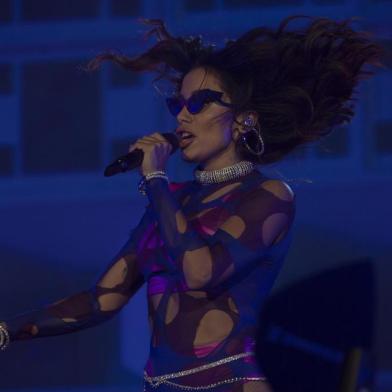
x: 62, y: 222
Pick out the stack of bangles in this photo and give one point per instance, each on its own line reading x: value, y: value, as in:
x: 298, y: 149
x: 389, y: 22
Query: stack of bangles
x: 4, y: 337
x: 144, y: 179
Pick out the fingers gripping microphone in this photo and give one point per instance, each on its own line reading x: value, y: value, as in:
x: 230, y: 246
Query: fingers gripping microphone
x: 134, y: 159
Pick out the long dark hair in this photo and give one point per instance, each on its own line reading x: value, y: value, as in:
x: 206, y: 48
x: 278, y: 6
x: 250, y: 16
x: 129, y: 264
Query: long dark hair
x: 299, y: 82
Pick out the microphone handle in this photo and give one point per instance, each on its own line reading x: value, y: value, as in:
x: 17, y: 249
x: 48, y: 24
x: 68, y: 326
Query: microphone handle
x: 134, y: 159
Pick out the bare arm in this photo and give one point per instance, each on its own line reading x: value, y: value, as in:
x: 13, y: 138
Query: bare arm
x: 116, y: 285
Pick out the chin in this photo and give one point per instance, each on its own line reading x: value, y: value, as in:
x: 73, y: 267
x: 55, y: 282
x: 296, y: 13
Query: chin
x: 186, y: 158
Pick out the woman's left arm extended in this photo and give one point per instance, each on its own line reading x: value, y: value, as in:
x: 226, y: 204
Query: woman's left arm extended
x: 260, y: 219
x: 119, y: 281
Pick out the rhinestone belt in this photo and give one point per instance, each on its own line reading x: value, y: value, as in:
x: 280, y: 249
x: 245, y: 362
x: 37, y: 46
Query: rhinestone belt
x: 163, y: 379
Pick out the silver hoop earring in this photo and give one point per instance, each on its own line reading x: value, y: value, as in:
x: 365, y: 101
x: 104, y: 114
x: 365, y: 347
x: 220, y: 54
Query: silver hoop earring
x: 251, y: 126
x: 249, y: 123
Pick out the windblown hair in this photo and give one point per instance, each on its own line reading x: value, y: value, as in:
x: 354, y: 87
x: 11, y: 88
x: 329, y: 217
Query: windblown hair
x: 299, y: 82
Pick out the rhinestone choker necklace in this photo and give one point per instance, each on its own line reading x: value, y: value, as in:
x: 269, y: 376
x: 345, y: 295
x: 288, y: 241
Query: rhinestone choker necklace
x: 237, y: 170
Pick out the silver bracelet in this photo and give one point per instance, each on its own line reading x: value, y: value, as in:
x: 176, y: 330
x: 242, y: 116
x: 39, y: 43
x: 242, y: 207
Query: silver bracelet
x: 148, y: 176
x: 4, y: 337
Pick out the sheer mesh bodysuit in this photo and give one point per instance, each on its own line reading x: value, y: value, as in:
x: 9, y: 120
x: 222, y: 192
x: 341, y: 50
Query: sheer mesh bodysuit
x: 209, y: 255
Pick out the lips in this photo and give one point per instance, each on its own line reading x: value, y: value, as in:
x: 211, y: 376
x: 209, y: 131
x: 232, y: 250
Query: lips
x: 186, y: 142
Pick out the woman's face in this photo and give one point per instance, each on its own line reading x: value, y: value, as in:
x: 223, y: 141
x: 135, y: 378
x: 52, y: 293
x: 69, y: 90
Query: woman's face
x: 212, y: 145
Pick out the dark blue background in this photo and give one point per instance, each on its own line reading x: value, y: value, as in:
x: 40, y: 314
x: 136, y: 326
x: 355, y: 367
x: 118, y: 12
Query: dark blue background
x: 61, y: 221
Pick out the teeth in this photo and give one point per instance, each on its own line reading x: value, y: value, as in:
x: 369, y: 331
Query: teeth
x: 186, y: 134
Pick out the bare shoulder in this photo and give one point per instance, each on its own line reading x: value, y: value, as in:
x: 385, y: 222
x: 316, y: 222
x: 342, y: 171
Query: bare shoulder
x: 279, y: 188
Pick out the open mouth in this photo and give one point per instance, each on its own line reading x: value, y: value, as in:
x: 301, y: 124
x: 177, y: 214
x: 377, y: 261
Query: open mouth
x: 186, y: 141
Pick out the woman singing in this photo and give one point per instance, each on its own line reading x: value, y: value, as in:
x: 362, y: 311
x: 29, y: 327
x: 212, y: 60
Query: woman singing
x: 210, y: 249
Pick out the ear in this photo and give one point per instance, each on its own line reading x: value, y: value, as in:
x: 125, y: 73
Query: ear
x: 239, y: 126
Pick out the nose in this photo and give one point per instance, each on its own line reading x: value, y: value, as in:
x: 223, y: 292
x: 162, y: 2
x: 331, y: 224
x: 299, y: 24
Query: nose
x: 184, y: 115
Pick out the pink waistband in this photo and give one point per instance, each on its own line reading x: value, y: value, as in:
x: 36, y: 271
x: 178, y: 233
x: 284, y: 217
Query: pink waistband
x: 202, y: 351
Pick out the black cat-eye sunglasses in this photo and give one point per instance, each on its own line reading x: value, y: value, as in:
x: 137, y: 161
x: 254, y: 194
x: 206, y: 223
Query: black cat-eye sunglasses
x: 195, y: 102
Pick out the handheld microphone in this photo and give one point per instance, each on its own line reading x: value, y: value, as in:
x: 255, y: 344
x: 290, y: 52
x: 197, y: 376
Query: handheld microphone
x: 134, y: 159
